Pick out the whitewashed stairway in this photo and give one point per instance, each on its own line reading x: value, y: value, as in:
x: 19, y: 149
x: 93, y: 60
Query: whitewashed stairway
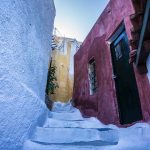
x: 66, y: 129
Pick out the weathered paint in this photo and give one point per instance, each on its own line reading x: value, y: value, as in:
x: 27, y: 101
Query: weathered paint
x: 63, y: 60
x: 25, y: 44
x: 148, y: 67
x: 103, y: 104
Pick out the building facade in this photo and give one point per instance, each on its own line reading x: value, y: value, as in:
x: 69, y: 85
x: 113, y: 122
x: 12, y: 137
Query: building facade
x: 111, y: 80
x: 62, y: 58
x: 25, y: 47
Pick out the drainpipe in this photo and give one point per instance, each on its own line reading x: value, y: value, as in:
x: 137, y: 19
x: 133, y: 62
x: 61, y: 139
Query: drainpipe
x: 143, y: 30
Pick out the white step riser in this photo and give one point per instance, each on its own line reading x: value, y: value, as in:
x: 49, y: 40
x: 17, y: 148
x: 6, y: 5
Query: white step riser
x: 59, y: 107
x: 35, y: 146
x: 66, y: 116
x: 88, y: 123
x: 137, y: 145
x: 69, y: 135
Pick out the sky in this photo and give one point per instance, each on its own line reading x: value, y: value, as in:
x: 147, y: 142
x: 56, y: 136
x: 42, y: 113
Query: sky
x: 75, y: 18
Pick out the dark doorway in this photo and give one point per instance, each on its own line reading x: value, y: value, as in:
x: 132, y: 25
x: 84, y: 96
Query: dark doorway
x: 126, y: 87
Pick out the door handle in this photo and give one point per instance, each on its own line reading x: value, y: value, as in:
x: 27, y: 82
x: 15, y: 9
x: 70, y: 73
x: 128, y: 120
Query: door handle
x: 114, y: 76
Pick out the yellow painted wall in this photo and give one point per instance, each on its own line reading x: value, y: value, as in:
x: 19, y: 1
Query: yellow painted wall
x: 64, y: 79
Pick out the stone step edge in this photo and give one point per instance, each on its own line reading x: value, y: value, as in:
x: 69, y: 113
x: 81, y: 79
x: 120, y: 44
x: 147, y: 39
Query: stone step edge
x: 30, y: 145
x: 98, y: 129
x: 91, y: 143
x: 102, y: 139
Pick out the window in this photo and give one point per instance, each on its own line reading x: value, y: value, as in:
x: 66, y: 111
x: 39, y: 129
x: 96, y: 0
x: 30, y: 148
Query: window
x: 92, y: 76
x: 118, y: 52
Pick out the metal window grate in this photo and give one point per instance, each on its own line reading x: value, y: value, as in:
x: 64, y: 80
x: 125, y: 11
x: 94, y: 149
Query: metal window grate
x: 92, y: 76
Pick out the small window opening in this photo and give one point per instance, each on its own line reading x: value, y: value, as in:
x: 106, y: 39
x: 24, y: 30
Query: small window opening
x: 118, y: 52
x: 92, y: 76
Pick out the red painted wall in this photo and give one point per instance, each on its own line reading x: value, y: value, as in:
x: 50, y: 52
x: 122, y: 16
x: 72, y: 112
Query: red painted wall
x: 103, y: 104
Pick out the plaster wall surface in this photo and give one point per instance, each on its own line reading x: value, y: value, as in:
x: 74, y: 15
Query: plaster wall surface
x: 74, y: 48
x: 148, y: 67
x: 25, y: 44
x: 103, y: 104
x: 62, y: 58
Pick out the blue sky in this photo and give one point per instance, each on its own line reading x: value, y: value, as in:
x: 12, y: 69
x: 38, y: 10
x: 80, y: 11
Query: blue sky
x: 75, y: 18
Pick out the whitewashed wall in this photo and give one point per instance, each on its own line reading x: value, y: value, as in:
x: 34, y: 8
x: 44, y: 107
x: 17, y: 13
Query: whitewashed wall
x: 148, y: 66
x: 73, y: 51
x: 25, y: 39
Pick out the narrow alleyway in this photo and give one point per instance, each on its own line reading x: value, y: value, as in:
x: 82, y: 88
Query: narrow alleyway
x: 66, y: 129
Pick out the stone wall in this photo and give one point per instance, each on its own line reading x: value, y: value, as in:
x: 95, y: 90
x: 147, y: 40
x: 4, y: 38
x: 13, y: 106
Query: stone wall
x: 25, y: 44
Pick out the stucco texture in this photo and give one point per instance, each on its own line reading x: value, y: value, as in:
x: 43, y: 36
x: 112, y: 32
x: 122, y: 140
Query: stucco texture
x: 63, y: 59
x: 103, y: 104
x: 25, y: 44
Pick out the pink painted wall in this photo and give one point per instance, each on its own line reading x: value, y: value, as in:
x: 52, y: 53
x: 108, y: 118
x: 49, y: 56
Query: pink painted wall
x: 103, y: 104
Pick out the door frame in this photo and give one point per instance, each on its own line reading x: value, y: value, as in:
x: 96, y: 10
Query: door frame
x: 111, y: 41
x: 116, y: 33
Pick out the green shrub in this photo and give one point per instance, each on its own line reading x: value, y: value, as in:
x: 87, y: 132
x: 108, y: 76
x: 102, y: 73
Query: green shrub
x: 51, y: 80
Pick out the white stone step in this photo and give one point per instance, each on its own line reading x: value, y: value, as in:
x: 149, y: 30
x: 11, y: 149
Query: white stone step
x: 29, y: 145
x: 136, y: 131
x: 123, y: 145
x: 132, y: 138
x: 75, y: 136
x: 66, y: 115
x: 86, y: 123
x: 63, y: 107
